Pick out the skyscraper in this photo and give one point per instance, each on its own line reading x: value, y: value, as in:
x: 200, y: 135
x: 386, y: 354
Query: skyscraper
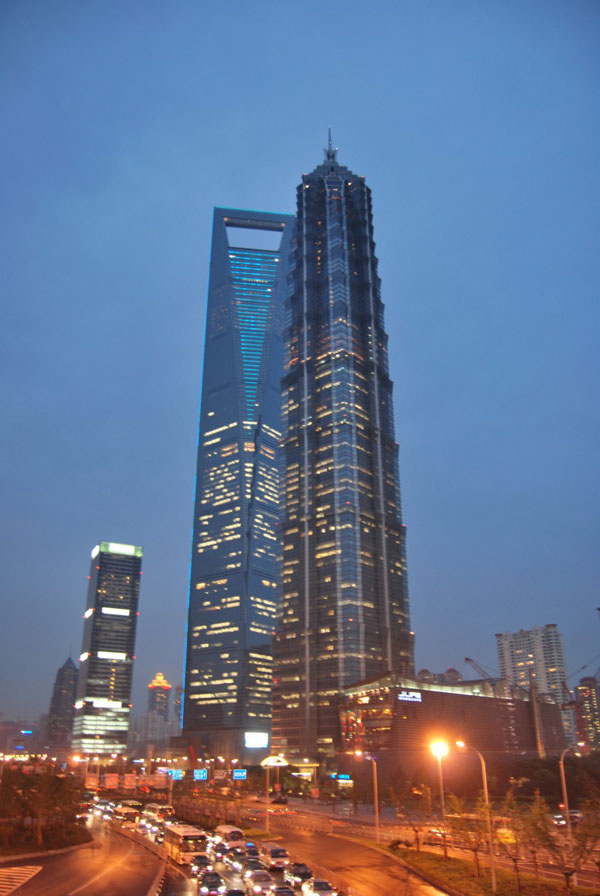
x: 103, y: 703
x: 587, y: 695
x: 537, y: 655
x: 158, y: 696
x: 236, y: 551
x: 60, y: 715
x: 345, y: 614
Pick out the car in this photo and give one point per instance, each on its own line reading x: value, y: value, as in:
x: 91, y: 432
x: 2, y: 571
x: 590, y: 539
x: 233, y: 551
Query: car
x: 251, y: 865
x: 234, y: 859
x: 251, y: 851
x: 318, y: 887
x: 200, y: 864
x: 235, y: 892
x: 211, y: 884
x: 296, y: 873
x: 280, y: 800
x: 259, y: 883
x: 283, y: 891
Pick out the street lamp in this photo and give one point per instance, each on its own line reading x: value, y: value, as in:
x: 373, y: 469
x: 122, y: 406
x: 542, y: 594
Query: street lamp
x: 268, y: 763
x: 563, y: 781
x: 439, y: 748
x: 359, y: 754
x: 463, y: 746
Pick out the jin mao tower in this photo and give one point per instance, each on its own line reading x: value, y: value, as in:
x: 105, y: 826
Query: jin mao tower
x: 344, y: 615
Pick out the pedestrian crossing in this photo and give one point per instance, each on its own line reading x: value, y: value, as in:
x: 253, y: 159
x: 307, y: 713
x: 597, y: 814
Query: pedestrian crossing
x: 13, y: 878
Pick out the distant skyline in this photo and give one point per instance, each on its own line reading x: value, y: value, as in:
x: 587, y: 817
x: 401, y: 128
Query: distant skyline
x: 476, y: 126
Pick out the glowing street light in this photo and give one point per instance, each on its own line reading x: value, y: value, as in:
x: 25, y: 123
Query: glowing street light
x: 463, y: 746
x: 439, y: 748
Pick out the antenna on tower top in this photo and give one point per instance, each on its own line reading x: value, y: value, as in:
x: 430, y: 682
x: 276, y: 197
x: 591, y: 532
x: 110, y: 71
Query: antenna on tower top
x: 330, y: 152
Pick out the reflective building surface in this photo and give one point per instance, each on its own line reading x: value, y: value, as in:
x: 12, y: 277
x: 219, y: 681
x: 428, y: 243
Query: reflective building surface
x: 344, y: 614
x: 103, y: 703
x: 236, y: 551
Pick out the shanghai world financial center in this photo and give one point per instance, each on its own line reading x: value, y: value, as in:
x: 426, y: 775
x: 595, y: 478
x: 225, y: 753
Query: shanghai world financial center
x: 298, y: 584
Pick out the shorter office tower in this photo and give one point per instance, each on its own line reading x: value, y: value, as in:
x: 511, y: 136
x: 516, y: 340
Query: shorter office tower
x: 535, y: 657
x: 158, y: 696
x: 587, y: 696
x: 103, y: 701
x: 396, y: 719
x: 60, y: 716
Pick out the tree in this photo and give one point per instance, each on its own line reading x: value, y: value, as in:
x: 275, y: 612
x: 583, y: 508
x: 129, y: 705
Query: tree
x: 511, y: 836
x: 469, y: 829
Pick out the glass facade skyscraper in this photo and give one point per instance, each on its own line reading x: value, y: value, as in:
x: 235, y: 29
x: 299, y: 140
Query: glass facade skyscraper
x: 60, y: 716
x: 236, y: 553
x: 103, y: 704
x: 344, y: 615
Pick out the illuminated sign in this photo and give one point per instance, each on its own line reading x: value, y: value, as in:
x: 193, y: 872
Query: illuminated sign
x: 113, y: 547
x: 256, y: 740
x: 410, y: 696
x: 115, y: 611
x: 176, y: 774
x: 111, y: 655
x: 239, y: 774
x: 220, y: 773
x: 200, y: 774
x: 343, y: 777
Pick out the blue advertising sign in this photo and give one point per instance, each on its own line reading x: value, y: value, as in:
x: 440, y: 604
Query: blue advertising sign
x: 176, y: 774
x: 200, y: 774
x: 239, y: 774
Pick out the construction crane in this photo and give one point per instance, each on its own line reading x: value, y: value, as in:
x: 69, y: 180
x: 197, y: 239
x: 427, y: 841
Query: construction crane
x: 482, y: 672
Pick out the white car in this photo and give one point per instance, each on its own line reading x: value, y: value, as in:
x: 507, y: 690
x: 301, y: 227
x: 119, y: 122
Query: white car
x: 318, y: 887
x: 260, y: 883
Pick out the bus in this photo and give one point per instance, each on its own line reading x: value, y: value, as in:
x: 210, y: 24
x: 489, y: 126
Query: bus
x: 158, y: 812
x: 183, y: 842
x: 230, y: 835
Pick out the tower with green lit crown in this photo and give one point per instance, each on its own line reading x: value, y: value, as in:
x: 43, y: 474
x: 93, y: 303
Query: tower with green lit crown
x: 236, y: 551
x: 103, y: 703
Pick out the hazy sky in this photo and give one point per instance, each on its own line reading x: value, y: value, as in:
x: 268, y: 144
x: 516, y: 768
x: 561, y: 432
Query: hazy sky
x: 476, y: 125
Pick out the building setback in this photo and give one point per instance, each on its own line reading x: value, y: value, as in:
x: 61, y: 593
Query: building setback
x: 236, y: 552
x: 103, y: 704
x: 344, y: 614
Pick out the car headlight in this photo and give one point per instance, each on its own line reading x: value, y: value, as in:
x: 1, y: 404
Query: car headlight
x: 204, y: 889
x: 222, y: 889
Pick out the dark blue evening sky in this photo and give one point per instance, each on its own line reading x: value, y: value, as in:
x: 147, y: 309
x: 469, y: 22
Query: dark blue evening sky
x: 476, y: 125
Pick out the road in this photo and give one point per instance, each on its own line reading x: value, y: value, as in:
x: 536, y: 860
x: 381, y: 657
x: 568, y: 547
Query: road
x: 113, y: 866
x: 366, y: 871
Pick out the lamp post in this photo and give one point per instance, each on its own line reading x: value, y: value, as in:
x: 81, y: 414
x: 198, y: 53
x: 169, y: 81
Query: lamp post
x: 563, y: 782
x: 439, y: 748
x: 359, y: 754
x: 268, y: 763
x: 463, y: 746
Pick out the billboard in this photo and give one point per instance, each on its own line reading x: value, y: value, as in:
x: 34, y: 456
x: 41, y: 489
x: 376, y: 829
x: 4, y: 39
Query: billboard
x: 256, y: 740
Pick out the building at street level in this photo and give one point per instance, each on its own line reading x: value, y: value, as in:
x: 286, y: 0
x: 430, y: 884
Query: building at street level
x: 60, y: 715
x: 536, y: 657
x: 236, y: 551
x: 344, y: 614
x: 103, y: 701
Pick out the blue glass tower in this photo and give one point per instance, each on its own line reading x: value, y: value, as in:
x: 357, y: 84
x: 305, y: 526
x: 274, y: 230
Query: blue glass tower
x: 236, y: 551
